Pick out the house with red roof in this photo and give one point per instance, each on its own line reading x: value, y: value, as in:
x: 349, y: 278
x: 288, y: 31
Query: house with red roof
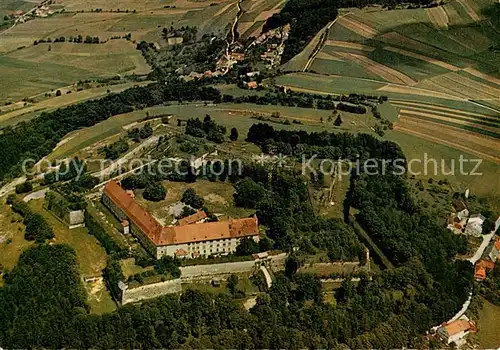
x: 191, y: 238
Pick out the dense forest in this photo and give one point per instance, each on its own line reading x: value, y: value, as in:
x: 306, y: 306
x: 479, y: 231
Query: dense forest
x: 323, y: 144
x: 36, y: 138
x: 391, y: 309
x: 307, y: 17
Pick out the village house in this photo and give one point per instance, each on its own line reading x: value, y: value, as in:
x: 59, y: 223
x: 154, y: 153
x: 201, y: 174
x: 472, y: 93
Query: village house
x: 189, y: 240
x: 237, y: 56
x: 487, y: 262
x: 197, y: 218
x: 175, y: 40
x: 475, y: 225
x: 453, y: 332
x: 252, y: 85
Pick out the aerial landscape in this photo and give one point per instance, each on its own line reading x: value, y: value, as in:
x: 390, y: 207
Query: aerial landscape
x: 221, y: 174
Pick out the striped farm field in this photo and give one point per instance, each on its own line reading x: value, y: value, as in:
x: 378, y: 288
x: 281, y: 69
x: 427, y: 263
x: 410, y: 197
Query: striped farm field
x: 423, y: 58
x: 438, y: 17
x: 349, y: 45
x: 479, y: 145
x: 466, y: 86
x: 444, y: 110
x: 485, y: 128
x: 386, y: 73
x: 358, y: 27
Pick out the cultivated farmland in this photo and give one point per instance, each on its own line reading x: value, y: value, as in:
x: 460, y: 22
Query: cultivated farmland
x: 29, y: 69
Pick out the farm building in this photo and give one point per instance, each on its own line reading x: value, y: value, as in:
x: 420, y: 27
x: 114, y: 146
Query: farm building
x: 453, y: 332
x: 475, y: 225
x: 189, y: 240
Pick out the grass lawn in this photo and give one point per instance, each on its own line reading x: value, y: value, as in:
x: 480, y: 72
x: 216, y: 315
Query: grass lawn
x: 345, y: 68
x: 12, y: 238
x: 91, y: 255
x: 488, y: 335
x: 218, y: 198
x: 129, y: 267
x: 487, y: 184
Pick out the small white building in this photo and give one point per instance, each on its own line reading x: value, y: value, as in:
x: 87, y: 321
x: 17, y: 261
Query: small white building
x: 475, y: 225
x: 453, y: 332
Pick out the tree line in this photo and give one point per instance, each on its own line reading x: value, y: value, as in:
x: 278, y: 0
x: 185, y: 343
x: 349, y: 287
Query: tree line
x: 36, y: 138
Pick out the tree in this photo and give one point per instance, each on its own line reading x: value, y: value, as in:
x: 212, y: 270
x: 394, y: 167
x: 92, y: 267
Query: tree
x: 248, y: 193
x: 232, y: 282
x: 186, y: 211
x: 155, y: 192
x: 292, y: 264
x: 338, y: 121
x: 247, y: 246
x: 58, y: 93
x: 146, y: 131
x: 234, y: 134
x: 169, y: 265
x: 190, y: 198
x: 25, y: 187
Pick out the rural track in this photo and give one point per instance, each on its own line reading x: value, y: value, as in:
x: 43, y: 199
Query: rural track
x: 322, y: 42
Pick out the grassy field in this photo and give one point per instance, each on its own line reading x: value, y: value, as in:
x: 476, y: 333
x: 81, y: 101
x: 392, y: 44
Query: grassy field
x: 12, y: 238
x: 91, y: 256
x: 218, y: 197
x: 28, y: 70
x: 32, y: 110
x: 488, y: 334
x: 35, y: 70
x: 430, y: 46
x: 228, y: 115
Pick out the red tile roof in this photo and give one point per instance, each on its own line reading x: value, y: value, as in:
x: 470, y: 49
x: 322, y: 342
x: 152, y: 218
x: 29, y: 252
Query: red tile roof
x: 160, y: 235
x: 188, y: 220
x: 457, y: 326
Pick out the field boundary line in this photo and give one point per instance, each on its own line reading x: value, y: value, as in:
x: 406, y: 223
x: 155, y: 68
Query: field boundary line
x: 434, y: 117
x: 446, y: 143
x: 445, y: 113
x: 478, y: 139
x: 481, y: 75
x: 439, y: 107
x: 424, y: 58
